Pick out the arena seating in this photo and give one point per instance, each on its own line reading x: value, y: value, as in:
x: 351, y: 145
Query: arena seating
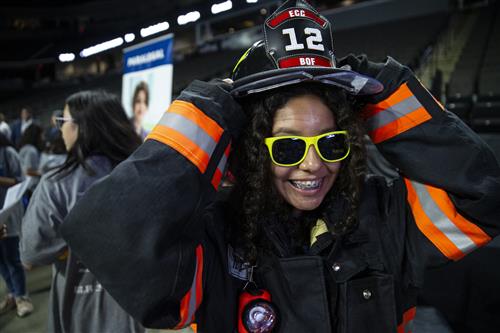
x: 473, y: 92
x: 462, y: 84
x: 485, y: 114
x: 204, y: 67
x: 488, y: 87
x: 403, y: 40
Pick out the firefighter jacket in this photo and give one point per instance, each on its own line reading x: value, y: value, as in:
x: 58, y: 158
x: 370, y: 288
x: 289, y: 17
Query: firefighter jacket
x: 153, y: 232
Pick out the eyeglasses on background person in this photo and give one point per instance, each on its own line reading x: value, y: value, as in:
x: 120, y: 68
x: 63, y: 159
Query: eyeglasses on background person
x: 61, y: 120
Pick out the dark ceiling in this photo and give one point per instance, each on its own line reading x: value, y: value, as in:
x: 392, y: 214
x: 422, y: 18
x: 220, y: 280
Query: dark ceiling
x: 34, y: 31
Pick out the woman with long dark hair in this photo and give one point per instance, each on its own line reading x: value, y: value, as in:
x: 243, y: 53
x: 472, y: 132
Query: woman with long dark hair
x: 97, y: 136
x: 304, y: 241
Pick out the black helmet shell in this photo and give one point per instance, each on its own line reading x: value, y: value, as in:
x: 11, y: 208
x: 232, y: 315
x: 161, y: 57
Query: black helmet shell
x: 297, y: 47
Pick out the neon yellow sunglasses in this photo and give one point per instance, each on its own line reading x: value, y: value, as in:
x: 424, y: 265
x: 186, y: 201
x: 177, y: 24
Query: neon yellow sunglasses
x: 292, y: 150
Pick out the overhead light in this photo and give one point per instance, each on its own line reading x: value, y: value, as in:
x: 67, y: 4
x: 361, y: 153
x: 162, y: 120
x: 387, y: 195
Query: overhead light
x: 154, y: 29
x: 66, y: 57
x: 189, y: 17
x: 129, y: 37
x: 101, y: 47
x: 346, y: 2
x: 222, y: 7
x: 252, y: 1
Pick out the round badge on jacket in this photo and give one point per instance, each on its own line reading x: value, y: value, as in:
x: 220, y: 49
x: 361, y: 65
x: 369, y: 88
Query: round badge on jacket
x: 297, y: 47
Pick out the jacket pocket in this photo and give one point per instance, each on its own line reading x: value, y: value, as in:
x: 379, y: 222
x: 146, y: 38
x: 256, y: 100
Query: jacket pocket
x: 368, y: 304
x: 298, y: 290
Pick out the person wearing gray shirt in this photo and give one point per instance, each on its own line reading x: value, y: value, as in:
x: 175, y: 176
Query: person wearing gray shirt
x: 29, y: 152
x: 11, y: 268
x: 97, y: 136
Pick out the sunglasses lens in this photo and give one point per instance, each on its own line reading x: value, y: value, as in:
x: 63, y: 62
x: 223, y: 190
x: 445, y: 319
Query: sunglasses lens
x: 288, y: 151
x: 333, y: 146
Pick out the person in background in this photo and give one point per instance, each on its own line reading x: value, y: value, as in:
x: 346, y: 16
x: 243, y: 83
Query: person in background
x: 21, y: 124
x: 140, y: 104
x: 10, y: 264
x: 97, y: 136
x: 30, y: 148
x: 53, y: 131
x: 54, y: 154
x: 4, y: 127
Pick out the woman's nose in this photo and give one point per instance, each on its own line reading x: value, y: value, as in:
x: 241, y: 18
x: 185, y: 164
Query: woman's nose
x: 312, y: 162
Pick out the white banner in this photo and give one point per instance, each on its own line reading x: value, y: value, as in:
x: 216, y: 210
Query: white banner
x: 147, y: 82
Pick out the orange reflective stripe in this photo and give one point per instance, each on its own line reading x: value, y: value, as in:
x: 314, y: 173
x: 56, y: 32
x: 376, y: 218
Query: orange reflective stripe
x: 438, y: 102
x: 227, y: 150
x: 408, y: 316
x: 199, y: 276
x: 427, y: 227
x: 192, y: 300
x: 219, y: 171
x: 182, y: 144
x: 191, y: 112
x: 396, y: 114
x: 478, y: 236
x: 216, y: 179
x: 184, y: 311
x: 398, y: 96
x: 433, y: 205
x: 188, y: 130
x: 400, y: 125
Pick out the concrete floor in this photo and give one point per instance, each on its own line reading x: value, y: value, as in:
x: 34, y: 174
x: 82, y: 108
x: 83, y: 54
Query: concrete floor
x: 38, y: 283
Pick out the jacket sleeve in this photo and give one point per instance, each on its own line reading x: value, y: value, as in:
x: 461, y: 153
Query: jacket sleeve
x: 451, y: 176
x: 41, y: 241
x: 140, y: 230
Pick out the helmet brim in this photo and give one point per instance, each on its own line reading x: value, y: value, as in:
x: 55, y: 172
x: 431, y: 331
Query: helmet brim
x: 354, y: 83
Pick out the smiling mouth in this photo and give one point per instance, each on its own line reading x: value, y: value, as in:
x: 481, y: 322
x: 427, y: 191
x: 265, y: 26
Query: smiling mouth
x: 307, y: 184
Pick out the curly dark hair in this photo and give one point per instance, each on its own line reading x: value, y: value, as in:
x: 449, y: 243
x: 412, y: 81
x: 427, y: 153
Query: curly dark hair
x: 258, y: 200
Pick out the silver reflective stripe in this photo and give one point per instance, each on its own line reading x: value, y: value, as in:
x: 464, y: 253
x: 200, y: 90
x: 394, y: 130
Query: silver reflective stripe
x: 190, y: 130
x: 222, y: 164
x: 395, y: 112
x: 192, y: 298
x: 441, y: 221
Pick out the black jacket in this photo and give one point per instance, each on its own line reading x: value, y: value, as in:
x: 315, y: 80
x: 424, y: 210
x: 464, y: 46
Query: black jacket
x: 153, y: 233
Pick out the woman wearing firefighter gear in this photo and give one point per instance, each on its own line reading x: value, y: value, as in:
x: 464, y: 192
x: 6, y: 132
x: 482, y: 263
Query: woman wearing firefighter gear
x: 303, y: 241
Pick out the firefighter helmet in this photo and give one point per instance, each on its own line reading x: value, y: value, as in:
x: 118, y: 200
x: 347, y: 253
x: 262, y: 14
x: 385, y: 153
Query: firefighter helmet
x: 297, y: 47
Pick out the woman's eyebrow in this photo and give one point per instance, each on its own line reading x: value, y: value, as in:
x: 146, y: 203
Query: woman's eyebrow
x: 286, y: 131
x: 291, y: 131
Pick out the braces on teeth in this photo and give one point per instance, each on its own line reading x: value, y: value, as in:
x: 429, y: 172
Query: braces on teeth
x: 305, y: 185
